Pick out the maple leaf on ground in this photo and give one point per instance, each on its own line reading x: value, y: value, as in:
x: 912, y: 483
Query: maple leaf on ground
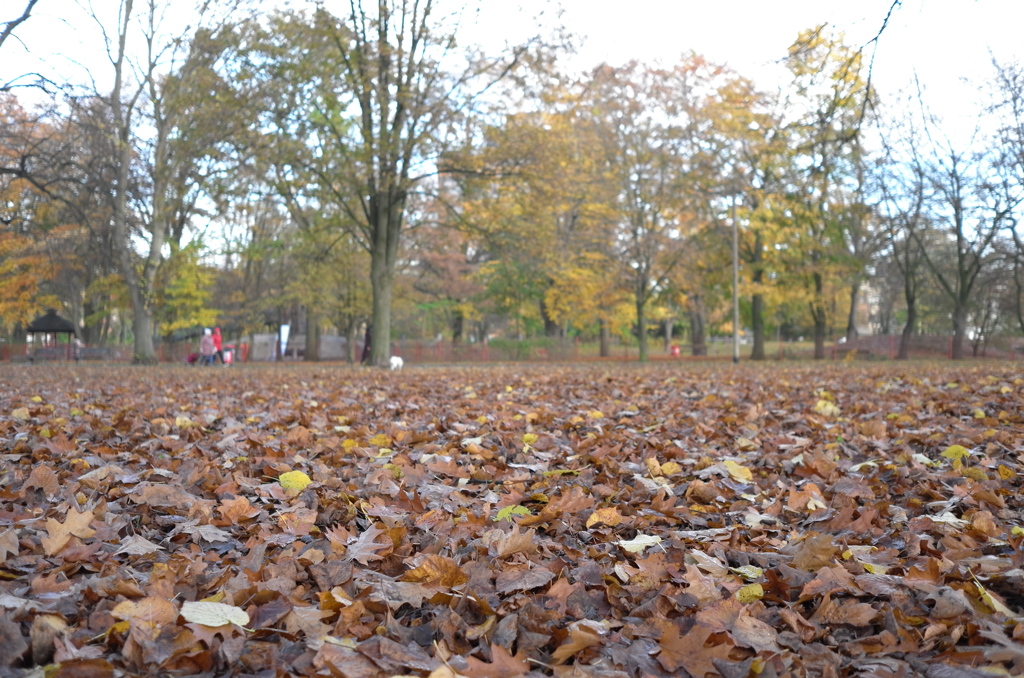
x: 45, y: 479
x: 437, y: 570
x: 580, y: 638
x: 689, y: 651
x: 814, y: 552
x: 75, y: 525
x: 237, y: 509
x: 502, y: 665
x: 504, y: 544
x: 365, y: 547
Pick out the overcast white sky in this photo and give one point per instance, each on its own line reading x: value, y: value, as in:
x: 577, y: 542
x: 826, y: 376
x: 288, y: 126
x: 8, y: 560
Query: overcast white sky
x: 947, y: 43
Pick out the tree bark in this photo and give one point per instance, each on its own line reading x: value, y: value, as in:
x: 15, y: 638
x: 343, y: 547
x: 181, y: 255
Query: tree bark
x: 641, y: 331
x: 910, y: 296
x: 757, y: 352
x: 312, y: 336
x: 818, y: 313
x: 605, y: 349
x: 351, y: 335
x: 959, y: 330
x: 669, y: 324
x: 698, y: 333
x: 458, y: 326
x: 851, y: 320
x: 757, y: 321
x: 386, y: 209
x: 382, y: 281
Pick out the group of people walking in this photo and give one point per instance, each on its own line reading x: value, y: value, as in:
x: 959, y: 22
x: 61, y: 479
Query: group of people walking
x: 211, y: 347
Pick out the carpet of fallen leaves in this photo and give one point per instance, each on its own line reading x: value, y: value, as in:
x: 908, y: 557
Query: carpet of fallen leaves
x: 523, y: 521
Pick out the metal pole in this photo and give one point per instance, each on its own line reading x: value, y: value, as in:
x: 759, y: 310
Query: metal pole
x: 735, y: 287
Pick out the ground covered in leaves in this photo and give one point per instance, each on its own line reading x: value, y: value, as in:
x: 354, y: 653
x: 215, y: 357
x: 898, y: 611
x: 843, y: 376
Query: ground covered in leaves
x: 570, y: 521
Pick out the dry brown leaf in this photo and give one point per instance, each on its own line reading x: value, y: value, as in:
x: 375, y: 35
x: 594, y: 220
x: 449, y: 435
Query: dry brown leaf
x: 59, y: 534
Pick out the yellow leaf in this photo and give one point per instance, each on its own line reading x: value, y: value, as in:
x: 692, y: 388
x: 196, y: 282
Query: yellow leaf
x: 214, y: 614
x: 872, y: 568
x: 826, y: 408
x: 380, y: 440
x: 1006, y: 473
x: 993, y: 602
x: 957, y: 453
x: 1017, y: 531
x: 748, y: 572
x: 36, y: 399
x: 348, y: 444
x: 76, y: 412
x: 595, y: 414
x: 741, y: 473
x: 979, y: 413
x: 183, y: 422
x: 653, y: 467
x: 21, y: 413
x: 974, y: 473
x: 530, y: 438
x: 294, y: 481
x: 670, y: 468
x: 509, y: 511
x: 751, y: 593
x: 609, y: 516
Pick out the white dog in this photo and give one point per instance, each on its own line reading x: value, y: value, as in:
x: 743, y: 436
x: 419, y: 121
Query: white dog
x: 396, y: 363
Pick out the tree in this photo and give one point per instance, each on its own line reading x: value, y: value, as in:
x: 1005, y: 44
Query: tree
x: 903, y: 192
x: 163, y: 91
x: 651, y: 121
x: 389, y: 84
x: 972, y: 205
x: 7, y: 31
x: 828, y: 86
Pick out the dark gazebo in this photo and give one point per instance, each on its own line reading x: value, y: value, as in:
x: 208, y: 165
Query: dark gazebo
x: 51, y: 326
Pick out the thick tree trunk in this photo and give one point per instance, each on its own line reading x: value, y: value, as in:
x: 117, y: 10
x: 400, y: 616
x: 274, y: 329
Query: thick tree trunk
x: 908, y: 329
x: 381, y: 278
x: 605, y: 349
x: 142, y: 326
x: 551, y: 328
x: 959, y: 330
x: 458, y: 326
x: 757, y: 299
x: 757, y: 322
x: 698, y: 333
x: 819, y: 337
x: 312, y: 336
x: 819, y: 314
x: 641, y: 329
x: 851, y: 320
x: 669, y: 325
x: 386, y: 213
x: 351, y: 336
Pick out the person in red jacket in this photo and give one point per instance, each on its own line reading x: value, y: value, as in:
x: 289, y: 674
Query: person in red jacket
x: 218, y: 345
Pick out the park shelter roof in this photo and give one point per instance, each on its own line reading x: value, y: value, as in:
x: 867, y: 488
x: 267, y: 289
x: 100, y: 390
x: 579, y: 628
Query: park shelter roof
x: 51, y: 323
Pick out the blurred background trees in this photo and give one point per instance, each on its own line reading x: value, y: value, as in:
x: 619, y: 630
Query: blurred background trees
x: 336, y: 172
